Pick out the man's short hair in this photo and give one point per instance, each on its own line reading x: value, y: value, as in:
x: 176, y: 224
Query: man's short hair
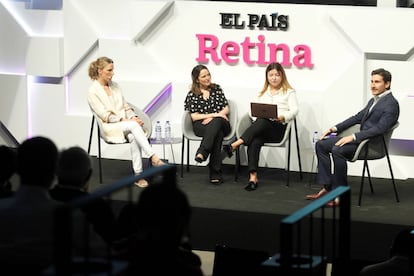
x: 36, y: 161
x: 403, y: 243
x: 74, y: 167
x: 386, y: 75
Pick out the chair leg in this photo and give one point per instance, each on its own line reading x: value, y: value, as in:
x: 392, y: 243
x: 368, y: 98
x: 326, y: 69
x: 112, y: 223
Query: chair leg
x: 288, y: 161
x: 188, y: 155
x: 182, y: 156
x: 361, y: 187
x: 91, y: 134
x: 397, y: 198
x: 369, y: 179
x: 237, y: 166
x: 298, y: 150
x: 99, y: 156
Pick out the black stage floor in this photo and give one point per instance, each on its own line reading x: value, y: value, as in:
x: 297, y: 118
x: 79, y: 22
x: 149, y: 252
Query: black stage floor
x: 227, y: 214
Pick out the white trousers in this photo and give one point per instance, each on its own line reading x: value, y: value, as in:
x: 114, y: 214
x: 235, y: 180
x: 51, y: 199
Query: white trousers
x: 140, y: 146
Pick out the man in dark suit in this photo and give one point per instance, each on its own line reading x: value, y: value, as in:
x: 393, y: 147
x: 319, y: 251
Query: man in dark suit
x: 376, y: 118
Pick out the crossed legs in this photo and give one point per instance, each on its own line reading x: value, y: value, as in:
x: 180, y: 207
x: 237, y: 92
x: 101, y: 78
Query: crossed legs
x: 327, y: 154
x: 139, y: 147
x: 261, y: 131
x: 213, y: 134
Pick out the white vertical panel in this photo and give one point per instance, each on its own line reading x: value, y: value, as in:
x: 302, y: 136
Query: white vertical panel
x: 48, y: 64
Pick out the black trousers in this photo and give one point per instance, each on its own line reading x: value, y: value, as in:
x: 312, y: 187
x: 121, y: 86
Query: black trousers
x: 325, y: 150
x: 211, y: 144
x: 260, y: 132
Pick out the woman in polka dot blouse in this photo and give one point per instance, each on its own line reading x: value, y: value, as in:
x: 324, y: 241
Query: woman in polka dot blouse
x: 209, y: 112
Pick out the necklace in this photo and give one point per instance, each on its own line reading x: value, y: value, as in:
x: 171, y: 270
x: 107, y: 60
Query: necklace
x: 206, y: 94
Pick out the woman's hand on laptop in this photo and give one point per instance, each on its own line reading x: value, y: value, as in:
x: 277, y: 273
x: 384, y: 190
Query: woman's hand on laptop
x: 280, y: 118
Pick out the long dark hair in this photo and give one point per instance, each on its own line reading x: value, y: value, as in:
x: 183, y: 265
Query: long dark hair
x: 195, y: 73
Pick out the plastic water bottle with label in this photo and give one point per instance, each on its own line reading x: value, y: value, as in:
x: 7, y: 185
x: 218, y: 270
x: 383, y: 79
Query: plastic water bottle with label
x: 158, y: 132
x: 167, y: 132
x: 315, y: 138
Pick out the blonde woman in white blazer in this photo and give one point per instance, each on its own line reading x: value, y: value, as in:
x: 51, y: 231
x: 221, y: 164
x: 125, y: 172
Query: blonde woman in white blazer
x: 119, y: 122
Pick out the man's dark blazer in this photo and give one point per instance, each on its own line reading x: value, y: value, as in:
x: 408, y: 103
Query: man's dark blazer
x: 375, y: 122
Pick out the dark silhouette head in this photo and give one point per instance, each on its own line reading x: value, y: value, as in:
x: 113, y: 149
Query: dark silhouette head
x: 403, y: 243
x: 163, y: 214
x: 74, y: 167
x: 36, y: 161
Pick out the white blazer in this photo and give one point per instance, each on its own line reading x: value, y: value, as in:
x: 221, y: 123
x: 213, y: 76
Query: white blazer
x: 103, y: 106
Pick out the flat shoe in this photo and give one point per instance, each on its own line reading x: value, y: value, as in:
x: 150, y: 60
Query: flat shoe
x: 333, y: 203
x: 216, y: 181
x: 321, y: 193
x: 157, y: 163
x: 251, y: 186
x: 142, y: 183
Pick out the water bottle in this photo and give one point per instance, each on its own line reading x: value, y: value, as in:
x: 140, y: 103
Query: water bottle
x: 315, y: 138
x: 158, y: 132
x: 167, y: 132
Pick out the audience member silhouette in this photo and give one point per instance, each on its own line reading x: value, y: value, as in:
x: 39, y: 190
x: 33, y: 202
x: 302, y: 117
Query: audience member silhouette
x: 26, y: 232
x: 160, y: 245
x: 73, y: 173
x: 402, y: 250
x: 8, y: 166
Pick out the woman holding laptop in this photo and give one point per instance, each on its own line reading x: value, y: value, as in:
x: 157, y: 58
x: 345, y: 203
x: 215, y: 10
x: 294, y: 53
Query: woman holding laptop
x: 276, y: 90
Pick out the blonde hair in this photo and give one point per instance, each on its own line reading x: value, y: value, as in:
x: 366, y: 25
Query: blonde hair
x: 284, y: 84
x: 100, y: 63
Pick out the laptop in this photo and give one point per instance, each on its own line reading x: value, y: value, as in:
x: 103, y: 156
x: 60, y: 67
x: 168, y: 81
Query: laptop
x: 262, y: 110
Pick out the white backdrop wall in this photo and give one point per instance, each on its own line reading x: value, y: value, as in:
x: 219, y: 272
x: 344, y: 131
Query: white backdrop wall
x: 44, y: 57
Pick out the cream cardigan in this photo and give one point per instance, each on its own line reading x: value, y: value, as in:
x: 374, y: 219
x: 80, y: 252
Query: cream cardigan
x: 103, y: 106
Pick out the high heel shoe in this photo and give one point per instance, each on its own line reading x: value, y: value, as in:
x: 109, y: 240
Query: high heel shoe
x: 228, y: 150
x: 199, y: 158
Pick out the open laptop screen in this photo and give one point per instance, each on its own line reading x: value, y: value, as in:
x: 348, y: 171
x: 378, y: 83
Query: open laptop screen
x: 262, y: 110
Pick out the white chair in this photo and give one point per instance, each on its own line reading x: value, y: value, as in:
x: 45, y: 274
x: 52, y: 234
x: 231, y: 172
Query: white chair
x: 141, y: 114
x: 246, y: 121
x: 189, y: 135
x: 372, y: 149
